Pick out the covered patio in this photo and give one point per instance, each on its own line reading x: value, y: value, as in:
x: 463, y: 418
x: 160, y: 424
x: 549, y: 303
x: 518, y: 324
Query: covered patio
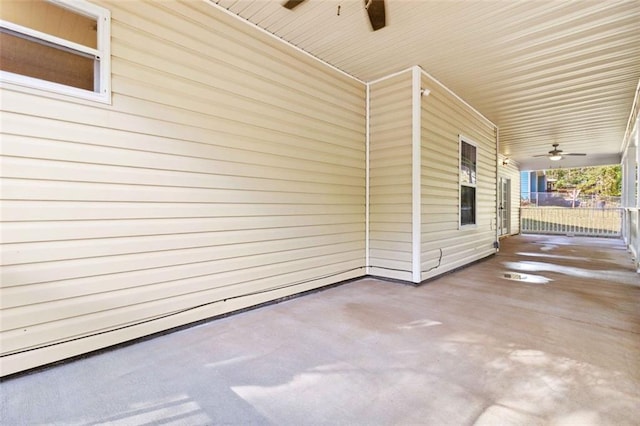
x: 544, y: 332
x: 217, y: 155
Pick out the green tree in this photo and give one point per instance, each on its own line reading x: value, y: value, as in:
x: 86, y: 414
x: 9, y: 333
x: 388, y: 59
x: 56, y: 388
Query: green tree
x: 601, y: 180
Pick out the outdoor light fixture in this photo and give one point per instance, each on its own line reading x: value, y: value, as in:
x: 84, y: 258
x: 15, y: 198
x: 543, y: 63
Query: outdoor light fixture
x: 505, y: 162
x: 555, y: 157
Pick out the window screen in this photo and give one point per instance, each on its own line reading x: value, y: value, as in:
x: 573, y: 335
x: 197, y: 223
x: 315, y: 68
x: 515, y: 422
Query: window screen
x: 60, y: 46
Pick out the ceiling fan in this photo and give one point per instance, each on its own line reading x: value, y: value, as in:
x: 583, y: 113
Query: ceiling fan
x: 557, y: 154
x: 375, y: 9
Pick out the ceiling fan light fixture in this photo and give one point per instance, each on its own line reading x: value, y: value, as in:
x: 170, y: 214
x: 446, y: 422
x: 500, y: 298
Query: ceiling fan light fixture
x: 557, y: 154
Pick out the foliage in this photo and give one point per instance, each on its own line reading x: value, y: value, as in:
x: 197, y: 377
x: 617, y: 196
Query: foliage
x: 602, y: 180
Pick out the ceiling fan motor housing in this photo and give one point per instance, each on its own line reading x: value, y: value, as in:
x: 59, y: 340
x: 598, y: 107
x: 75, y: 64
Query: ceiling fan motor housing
x: 375, y: 10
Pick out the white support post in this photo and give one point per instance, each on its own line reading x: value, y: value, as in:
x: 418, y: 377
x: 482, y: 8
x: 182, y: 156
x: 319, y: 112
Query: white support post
x: 637, y: 174
x: 624, y: 196
x: 498, y: 191
x: 631, y: 201
x: 416, y: 217
x: 629, y: 166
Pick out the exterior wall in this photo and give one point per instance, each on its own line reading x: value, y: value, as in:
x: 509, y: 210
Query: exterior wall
x: 525, y: 185
x: 227, y: 165
x: 390, y: 185
x: 512, y: 171
x: 444, y: 246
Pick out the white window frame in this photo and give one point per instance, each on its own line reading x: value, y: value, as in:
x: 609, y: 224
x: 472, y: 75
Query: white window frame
x: 102, y: 53
x: 461, y: 140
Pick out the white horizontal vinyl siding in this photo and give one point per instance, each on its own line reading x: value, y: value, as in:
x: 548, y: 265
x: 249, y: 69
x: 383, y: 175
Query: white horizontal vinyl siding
x: 390, y: 159
x: 443, y: 245
x: 228, y: 164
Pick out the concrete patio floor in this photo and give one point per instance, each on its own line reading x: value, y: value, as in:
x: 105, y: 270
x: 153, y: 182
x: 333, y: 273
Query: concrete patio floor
x: 546, y: 332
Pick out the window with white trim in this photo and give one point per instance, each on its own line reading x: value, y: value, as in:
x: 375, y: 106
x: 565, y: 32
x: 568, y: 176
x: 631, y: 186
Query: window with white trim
x: 61, y: 46
x: 468, y: 180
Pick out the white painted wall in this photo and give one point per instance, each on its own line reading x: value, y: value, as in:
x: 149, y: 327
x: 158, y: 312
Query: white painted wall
x: 229, y: 164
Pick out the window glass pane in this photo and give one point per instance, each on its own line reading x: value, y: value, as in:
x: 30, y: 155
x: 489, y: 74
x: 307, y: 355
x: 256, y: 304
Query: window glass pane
x: 467, y: 205
x: 51, y: 19
x: 20, y: 55
x: 468, y: 163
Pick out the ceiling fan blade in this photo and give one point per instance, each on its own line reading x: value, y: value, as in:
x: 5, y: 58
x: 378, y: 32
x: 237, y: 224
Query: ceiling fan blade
x: 290, y: 4
x: 376, y: 12
x: 558, y: 154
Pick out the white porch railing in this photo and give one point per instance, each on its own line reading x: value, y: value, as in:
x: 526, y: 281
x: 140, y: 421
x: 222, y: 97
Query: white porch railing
x: 570, y: 221
x: 564, y: 199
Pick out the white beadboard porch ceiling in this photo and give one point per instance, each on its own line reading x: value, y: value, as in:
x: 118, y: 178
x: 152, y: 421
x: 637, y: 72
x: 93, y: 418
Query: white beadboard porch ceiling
x: 544, y: 72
